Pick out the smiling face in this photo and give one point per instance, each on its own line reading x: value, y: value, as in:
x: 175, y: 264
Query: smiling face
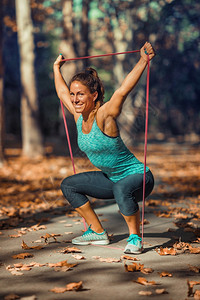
x: 81, y: 97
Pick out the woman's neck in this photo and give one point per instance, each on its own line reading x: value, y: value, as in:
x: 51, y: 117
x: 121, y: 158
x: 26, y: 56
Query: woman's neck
x: 89, y: 116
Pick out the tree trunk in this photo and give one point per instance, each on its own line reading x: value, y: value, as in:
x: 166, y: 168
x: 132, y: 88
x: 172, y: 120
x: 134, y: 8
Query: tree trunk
x: 69, y: 68
x: 1, y: 90
x: 32, y: 144
x: 85, y: 41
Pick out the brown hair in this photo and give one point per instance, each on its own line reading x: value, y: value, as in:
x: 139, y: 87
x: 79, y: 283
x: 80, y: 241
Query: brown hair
x: 90, y: 78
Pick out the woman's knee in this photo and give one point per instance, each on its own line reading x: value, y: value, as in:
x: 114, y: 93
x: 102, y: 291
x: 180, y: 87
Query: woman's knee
x: 67, y: 188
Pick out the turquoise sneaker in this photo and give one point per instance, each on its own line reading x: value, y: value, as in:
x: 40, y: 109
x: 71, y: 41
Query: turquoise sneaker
x: 91, y: 237
x: 134, y: 245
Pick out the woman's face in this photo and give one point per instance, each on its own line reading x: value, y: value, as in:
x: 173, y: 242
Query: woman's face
x: 81, y: 97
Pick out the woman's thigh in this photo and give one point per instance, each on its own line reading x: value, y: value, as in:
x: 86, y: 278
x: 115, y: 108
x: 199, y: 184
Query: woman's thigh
x: 94, y: 184
x: 129, y: 191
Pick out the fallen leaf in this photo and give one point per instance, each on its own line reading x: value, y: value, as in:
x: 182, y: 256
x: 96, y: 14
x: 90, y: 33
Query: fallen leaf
x: 197, y: 295
x: 108, y: 259
x: 48, y: 236
x: 194, y: 268
x: 14, y: 235
x: 134, y: 267
x: 146, y: 270
x: 129, y: 257
x: 74, y: 286
x: 62, y: 266
x: 78, y: 256
x: 191, y: 284
x: 19, y: 265
x: 194, y: 250
x: 29, y: 298
x: 26, y: 247
x: 161, y: 291
x: 166, y: 251
x: 38, y: 227
x: 165, y: 274
x: 71, y: 250
x: 143, y: 281
x: 14, y: 272
x: 68, y: 225
x: 22, y: 255
x: 145, y: 293
x: 58, y: 290
x: 11, y: 297
x: 25, y: 268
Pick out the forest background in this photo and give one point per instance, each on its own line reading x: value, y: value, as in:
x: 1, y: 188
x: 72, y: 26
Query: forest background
x: 33, y: 33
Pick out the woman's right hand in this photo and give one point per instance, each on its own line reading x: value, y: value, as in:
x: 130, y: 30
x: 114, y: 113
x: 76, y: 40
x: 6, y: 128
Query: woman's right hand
x: 58, y: 62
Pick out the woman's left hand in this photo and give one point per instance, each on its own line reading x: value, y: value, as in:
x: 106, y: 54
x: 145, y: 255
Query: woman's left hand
x: 147, y: 49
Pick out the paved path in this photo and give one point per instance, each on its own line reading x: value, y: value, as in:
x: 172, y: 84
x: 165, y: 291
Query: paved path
x: 101, y: 280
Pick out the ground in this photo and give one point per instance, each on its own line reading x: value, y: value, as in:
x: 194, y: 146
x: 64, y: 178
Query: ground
x: 37, y: 225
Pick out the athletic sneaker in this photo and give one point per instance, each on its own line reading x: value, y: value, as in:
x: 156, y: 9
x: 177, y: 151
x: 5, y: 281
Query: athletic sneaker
x: 92, y: 237
x: 134, y: 245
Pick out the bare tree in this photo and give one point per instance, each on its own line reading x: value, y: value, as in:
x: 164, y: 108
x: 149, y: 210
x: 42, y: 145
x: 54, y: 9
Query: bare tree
x: 32, y: 144
x: 1, y: 89
x: 67, y: 48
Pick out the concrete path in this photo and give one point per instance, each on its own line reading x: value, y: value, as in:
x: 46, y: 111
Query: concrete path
x: 100, y: 280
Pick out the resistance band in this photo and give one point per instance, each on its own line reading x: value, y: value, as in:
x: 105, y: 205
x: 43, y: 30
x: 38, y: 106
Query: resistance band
x: 145, y: 143
x: 146, y: 122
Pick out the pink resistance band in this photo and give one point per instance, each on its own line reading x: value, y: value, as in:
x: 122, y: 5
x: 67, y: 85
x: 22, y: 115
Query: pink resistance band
x: 146, y: 123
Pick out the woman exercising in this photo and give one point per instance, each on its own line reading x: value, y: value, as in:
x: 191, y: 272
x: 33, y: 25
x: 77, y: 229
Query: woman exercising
x: 121, y: 173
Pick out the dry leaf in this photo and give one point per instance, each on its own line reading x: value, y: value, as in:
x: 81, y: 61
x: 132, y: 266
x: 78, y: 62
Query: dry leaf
x: 108, y: 260
x: 68, y: 225
x: 74, y: 286
x: 14, y: 235
x: 71, y: 250
x: 194, y: 268
x: 145, y: 293
x: 146, y: 270
x: 38, y: 227
x: 129, y: 257
x: 29, y: 298
x: 161, y: 291
x: 137, y: 267
x: 143, y: 281
x: 22, y: 255
x: 58, y: 290
x: 165, y: 274
x: 194, y: 250
x: 191, y: 284
x: 11, y: 297
x: 197, y: 295
x: 19, y: 265
x: 166, y: 251
x: 62, y: 266
x: 26, y: 247
x: 133, y: 267
x: 14, y: 272
x: 48, y: 236
x: 78, y: 256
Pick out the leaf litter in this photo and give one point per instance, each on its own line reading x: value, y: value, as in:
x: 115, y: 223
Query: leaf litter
x: 73, y: 286
x: 184, y: 178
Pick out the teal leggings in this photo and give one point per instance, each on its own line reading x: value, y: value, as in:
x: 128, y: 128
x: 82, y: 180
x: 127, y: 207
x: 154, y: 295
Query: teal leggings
x: 127, y: 192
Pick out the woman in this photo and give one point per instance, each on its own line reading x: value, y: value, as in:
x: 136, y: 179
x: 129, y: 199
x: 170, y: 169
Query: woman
x: 121, y: 173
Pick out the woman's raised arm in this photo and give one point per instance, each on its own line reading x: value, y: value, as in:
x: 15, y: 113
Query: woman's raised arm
x: 114, y: 106
x: 61, y: 86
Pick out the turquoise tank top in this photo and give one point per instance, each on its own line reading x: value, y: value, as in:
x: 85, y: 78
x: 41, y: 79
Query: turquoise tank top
x: 109, y: 154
